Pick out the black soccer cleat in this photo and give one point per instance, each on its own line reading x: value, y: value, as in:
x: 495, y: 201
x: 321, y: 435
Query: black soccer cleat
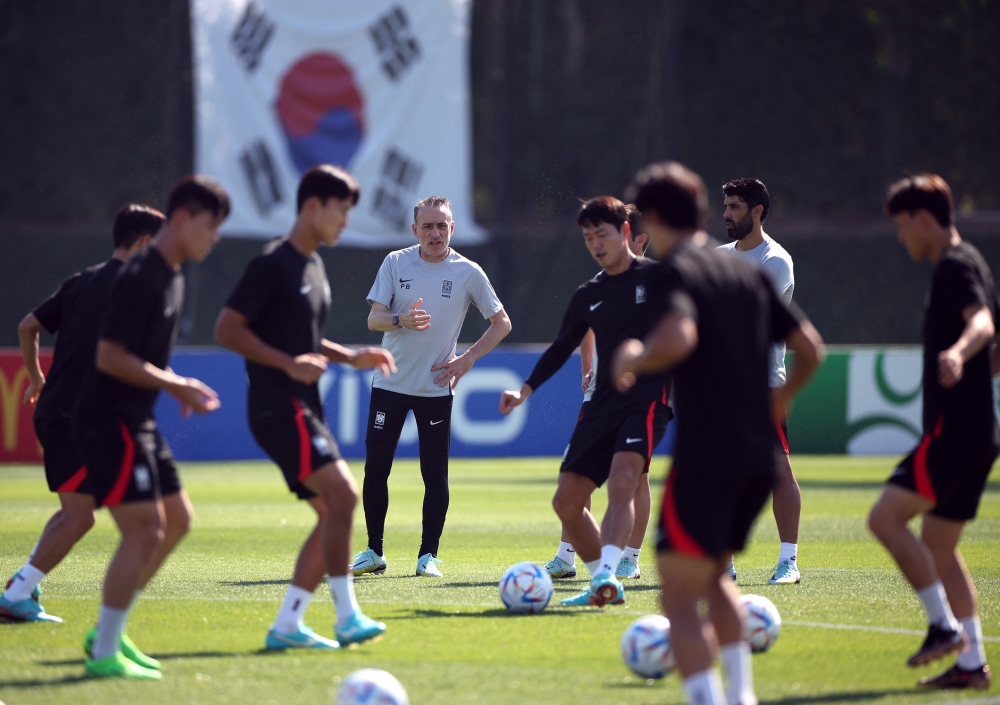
x: 958, y: 678
x: 939, y: 643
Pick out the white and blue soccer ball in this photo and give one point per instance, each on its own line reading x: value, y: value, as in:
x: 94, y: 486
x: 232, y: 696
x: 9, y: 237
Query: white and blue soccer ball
x: 525, y: 588
x: 371, y: 686
x: 646, y: 647
x: 762, y: 624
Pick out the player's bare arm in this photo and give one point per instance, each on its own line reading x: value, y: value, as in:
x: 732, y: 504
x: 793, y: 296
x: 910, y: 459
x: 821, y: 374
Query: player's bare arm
x: 360, y: 358
x: 27, y: 332
x: 414, y: 319
x: 671, y: 342
x: 511, y: 399
x: 454, y: 369
x: 979, y: 329
x: 587, y: 360
x: 233, y: 331
x: 115, y: 360
x: 809, y: 350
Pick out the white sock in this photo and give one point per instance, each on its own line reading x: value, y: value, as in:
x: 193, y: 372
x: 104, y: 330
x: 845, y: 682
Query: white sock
x: 292, y: 608
x: 937, y: 607
x: 566, y: 552
x: 732, y: 565
x: 633, y: 553
x: 110, y: 625
x: 610, y: 555
x: 789, y: 552
x: 739, y: 673
x: 704, y: 688
x: 593, y: 567
x: 342, y: 589
x: 975, y: 656
x: 34, y: 550
x: 25, y: 581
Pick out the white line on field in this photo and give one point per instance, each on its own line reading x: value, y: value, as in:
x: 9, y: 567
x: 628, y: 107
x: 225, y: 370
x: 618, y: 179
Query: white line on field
x: 868, y: 628
x: 975, y: 701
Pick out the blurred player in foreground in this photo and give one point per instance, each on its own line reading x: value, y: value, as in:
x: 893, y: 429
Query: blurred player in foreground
x: 723, y: 316
x: 74, y: 312
x: 944, y: 477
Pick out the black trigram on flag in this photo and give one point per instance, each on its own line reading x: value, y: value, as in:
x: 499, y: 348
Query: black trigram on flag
x: 394, y: 194
x: 251, y: 36
x: 396, y: 46
x: 258, y: 167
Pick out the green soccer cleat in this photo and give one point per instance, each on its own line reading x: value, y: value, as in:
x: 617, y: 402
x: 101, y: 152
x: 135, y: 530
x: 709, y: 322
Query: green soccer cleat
x: 368, y: 562
x: 25, y: 611
x: 426, y: 567
x: 128, y: 649
x: 580, y: 600
x: 359, y: 628
x: 606, y: 589
x: 118, y: 666
x: 785, y: 574
x: 558, y: 568
x: 304, y: 638
x: 627, y: 568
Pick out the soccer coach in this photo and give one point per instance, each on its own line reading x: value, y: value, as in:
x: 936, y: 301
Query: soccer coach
x: 419, y: 300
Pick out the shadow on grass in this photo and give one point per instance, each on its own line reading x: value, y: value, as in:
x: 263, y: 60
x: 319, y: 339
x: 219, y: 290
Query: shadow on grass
x: 846, y: 697
x: 159, y: 657
x: 253, y: 583
x: 38, y: 682
x: 492, y: 614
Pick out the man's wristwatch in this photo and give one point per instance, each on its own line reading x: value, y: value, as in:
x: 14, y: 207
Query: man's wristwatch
x: 395, y: 320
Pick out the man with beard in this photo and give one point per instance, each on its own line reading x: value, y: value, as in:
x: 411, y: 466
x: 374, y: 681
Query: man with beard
x: 747, y: 203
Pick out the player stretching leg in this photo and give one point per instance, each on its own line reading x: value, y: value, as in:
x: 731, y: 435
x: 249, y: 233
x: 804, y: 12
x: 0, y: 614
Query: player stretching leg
x: 722, y: 316
x: 944, y: 477
x: 74, y: 312
x: 616, y: 433
x: 275, y: 319
x: 747, y: 203
x: 130, y: 466
x: 562, y: 565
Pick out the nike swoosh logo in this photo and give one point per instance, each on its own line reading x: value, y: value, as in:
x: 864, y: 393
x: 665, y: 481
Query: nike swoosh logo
x: 435, y: 423
x: 403, y: 281
x: 634, y: 440
x: 305, y: 289
x: 593, y: 306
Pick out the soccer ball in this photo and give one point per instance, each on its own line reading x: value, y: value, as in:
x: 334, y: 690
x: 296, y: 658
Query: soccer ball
x: 646, y: 647
x: 371, y: 686
x: 763, y: 623
x: 525, y: 588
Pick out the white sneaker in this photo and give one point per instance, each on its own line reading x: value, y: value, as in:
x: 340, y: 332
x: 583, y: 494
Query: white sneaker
x: 426, y: 566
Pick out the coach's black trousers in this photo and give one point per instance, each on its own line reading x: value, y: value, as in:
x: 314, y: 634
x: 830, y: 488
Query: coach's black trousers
x: 386, y: 417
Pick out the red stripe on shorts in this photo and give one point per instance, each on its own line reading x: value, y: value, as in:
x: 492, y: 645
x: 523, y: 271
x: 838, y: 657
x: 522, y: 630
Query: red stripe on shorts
x: 649, y: 433
x: 72, y: 483
x: 679, y: 538
x: 782, y: 437
x: 125, y: 471
x: 305, y: 454
x: 921, y: 475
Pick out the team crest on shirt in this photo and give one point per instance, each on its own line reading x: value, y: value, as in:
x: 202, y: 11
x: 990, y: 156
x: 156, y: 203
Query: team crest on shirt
x: 640, y: 293
x: 446, y: 287
x: 380, y: 418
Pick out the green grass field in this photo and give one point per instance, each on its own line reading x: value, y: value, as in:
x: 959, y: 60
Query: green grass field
x: 848, y: 627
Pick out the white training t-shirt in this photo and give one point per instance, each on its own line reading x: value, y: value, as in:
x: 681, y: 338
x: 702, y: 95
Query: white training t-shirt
x: 776, y: 261
x: 447, y: 288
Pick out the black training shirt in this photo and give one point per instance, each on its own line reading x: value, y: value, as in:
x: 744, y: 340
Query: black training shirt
x: 285, y: 297
x: 616, y: 308
x: 721, y: 392
x: 142, y: 315
x: 961, y: 279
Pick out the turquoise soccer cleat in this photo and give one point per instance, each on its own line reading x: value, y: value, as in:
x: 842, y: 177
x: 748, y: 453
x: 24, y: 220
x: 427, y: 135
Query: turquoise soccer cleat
x: 359, y: 628
x: 25, y: 611
x: 426, y: 566
x: 580, y: 600
x: 606, y: 589
x: 128, y: 649
x: 786, y: 574
x: 304, y: 638
x: 558, y: 568
x: 627, y: 568
x: 368, y: 562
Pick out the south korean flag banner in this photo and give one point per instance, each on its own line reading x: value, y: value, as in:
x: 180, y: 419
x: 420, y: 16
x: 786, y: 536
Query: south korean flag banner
x: 379, y: 87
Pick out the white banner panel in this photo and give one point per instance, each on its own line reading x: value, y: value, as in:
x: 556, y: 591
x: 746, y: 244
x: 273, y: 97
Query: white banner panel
x: 379, y: 87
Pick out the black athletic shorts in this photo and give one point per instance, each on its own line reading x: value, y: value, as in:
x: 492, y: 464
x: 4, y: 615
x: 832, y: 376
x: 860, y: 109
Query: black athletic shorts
x: 64, y: 467
x: 296, y: 438
x: 949, y: 471
x: 127, y: 461
x: 709, y: 512
x: 598, y: 435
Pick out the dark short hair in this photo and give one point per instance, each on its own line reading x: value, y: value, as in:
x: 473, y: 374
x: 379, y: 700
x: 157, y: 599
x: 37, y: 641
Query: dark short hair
x: 133, y: 221
x: 675, y: 193
x: 753, y: 192
x: 432, y: 202
x: 197, y: 193
x: 325, y: 182
x: 634, y: 218
x: 603, y: 209
x: 928, y: 192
